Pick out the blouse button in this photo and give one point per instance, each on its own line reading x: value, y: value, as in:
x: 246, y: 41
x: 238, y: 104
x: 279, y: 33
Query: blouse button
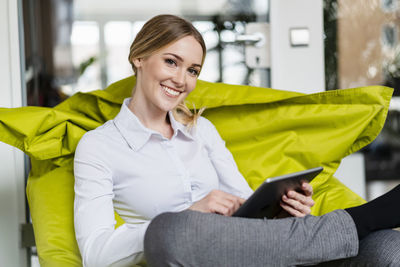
x: 193, y: 187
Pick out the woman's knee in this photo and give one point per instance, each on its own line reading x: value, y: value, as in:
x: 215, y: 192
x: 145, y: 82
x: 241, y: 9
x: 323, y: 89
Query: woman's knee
x: 382, y: 247
x: 166, y: 239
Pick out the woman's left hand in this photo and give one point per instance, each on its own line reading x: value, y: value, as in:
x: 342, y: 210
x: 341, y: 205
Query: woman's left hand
x: 298, y: 204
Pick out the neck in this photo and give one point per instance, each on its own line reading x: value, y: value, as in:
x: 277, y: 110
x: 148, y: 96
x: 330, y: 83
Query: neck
x: 151, y: 116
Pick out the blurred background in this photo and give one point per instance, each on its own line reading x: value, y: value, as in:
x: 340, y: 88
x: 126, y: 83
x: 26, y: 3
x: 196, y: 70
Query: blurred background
x: 52, y: 49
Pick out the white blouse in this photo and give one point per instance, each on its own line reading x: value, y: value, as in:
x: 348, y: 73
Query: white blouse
x: 124, y: 166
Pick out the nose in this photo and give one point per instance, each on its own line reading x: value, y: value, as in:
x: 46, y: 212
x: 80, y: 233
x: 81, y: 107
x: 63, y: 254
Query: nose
x: 179, y: 78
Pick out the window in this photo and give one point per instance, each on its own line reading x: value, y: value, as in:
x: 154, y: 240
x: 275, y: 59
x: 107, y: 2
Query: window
x: 389, y: 5
x: 118, y: 38
x: 85, y: 56
x: 389, y: 36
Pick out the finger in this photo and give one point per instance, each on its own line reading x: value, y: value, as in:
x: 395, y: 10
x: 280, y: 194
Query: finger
x: 305, y: 200
x: 296, y: 196
x: 291, y: 210
x: 230, y: 204
x: 217, y: 204
x: 230, y: 196
x: 235, y: 201
x: 219, y: 209
x: 238, y: 201
x: 296, y: 205
x: 307, y: 189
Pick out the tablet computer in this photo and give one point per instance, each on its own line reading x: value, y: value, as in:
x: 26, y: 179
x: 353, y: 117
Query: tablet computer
x: 264, y: 202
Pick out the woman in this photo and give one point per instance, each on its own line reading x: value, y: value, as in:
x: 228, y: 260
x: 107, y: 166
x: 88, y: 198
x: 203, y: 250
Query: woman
x: 157, y: 157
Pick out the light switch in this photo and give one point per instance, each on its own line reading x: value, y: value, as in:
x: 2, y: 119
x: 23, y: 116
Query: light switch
x: 299, y: 36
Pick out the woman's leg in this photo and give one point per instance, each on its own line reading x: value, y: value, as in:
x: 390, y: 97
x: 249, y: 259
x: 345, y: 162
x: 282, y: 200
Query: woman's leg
x: 377, y: 214
x: 380, y: 248
x: 192, y: 238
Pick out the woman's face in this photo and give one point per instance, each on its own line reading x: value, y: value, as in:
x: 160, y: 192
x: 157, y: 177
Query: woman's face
x: 166, y: 77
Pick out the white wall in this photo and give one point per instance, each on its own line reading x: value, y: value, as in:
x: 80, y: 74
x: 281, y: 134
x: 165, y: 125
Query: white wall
x: 351, y: 173
x: 12, y: 191
x: 297, y: 68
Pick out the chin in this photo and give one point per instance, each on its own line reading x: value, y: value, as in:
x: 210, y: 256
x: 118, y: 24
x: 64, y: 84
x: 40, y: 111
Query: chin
x: 171, y: 105
x: 167, y: 108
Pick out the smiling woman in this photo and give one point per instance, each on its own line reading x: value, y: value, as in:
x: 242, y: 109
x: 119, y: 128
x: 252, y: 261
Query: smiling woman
x: 164, y: 79
x: 166, y: 31
x: 171, y: 182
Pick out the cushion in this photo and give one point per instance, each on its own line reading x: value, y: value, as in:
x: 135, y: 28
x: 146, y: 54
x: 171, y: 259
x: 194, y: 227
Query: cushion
x: 269, y: 132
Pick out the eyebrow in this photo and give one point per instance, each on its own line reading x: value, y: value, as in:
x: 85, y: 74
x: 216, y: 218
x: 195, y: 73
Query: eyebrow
x: 181, y: 59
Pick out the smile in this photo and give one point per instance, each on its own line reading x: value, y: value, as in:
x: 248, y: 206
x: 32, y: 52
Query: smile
x: 171, y: 91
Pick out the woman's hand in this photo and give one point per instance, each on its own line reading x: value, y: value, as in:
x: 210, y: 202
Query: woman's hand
x: 298, y: 204
x: 219, y: 202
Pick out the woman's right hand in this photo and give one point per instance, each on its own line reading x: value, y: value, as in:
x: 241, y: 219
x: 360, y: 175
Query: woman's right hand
x: 218, y: 201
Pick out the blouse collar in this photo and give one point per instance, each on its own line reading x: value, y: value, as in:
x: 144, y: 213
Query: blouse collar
x: 137, y: 135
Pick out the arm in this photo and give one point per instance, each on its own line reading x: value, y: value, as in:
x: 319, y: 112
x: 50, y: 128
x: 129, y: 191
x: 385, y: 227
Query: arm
x: 99, y: 243
x: 230, y: 178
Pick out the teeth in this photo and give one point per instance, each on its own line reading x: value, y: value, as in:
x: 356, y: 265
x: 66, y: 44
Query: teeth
x: 170, y: 91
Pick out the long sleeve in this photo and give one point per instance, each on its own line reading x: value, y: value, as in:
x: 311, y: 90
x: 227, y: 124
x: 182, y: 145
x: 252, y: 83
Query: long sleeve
x: 230, y: 178
x: 100, y: 244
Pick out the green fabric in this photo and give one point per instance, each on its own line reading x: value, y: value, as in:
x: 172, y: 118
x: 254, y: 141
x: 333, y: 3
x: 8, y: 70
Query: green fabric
x: 269, y: 132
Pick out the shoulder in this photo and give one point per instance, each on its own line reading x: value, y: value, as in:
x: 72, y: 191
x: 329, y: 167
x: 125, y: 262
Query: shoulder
x: 204, y: 125
x: 206, y: 130
x: 98, y: 134
x: 97, y: 140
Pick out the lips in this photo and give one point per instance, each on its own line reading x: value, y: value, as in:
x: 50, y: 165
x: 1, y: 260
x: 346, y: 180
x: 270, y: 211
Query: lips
x: 170, y: 91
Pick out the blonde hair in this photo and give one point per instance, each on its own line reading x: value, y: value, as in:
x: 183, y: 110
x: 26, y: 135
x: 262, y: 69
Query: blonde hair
x: 157, y: 33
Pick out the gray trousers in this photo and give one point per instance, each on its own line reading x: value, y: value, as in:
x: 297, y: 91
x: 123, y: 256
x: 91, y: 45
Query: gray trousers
x: 380, y: 248
x: 192, y: 238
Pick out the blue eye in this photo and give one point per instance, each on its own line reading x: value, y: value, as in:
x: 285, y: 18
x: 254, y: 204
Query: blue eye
x: 170, y: 61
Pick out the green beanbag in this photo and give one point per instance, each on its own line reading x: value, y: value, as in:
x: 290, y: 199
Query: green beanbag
x: 269, y: 132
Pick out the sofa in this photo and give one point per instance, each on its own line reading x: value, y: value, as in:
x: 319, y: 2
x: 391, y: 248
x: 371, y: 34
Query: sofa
x: 269, y: 132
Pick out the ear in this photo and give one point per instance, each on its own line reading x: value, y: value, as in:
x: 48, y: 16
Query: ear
x: 137, y: 62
